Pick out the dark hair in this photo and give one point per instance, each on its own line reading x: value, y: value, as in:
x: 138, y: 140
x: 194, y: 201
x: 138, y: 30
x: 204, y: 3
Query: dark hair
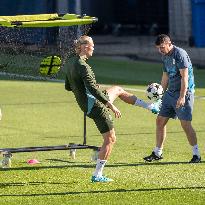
x: 162, y: 38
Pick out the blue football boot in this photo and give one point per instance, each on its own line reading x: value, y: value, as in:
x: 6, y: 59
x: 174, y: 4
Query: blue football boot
x: 101, y: 179
x: 156, y: 106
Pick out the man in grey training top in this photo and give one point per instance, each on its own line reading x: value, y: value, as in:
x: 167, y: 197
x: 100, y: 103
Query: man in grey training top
x: 177, y: 102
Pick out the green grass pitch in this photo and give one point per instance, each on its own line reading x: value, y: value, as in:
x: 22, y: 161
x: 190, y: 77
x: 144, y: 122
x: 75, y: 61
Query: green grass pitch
x: 43, y: 113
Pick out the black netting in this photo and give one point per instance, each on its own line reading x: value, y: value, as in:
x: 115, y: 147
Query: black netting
x: 22, y: 49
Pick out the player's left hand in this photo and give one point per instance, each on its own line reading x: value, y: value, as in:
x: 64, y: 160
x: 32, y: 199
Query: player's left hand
x: 114, y: 109
x: 180, y: 102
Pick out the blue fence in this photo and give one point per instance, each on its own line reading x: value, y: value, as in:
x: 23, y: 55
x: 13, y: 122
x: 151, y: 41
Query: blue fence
x: 198, y: 22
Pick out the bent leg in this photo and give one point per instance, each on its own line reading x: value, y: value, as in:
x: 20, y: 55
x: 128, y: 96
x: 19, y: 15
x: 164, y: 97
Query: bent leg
x: 117, y: 91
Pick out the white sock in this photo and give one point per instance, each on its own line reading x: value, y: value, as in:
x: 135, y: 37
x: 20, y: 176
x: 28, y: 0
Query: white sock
x: 143, y: 104
x: 158, y: 151
x: 195, y: 150
x: 99, y: 167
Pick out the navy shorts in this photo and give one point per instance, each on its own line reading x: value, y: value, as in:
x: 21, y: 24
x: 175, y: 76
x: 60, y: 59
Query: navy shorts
x: 168, y: 108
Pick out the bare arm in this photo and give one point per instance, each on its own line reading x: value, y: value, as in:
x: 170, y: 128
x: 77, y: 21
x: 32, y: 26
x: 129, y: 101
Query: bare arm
x: 165, y: 80
x: 114, y: 109
x: 184, y: 85
x: 184, y: 82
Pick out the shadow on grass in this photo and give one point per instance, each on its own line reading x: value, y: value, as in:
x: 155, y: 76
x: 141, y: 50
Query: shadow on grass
x: 150, y: 164
x: 36, y: 103
x: 88, y: 166
x: 105, y: 191
x: 35, y: 183
x: 49, y: 167
x: 145, y: 133
x: 60, y: 160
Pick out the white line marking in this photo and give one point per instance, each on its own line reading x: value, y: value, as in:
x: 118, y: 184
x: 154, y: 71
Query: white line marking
x: 29, y: 77
x: 62, y: 81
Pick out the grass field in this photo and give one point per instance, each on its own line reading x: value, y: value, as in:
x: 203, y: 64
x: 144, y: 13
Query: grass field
x: 43, y: 113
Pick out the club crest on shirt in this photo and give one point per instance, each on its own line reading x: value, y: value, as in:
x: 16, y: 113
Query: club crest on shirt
x: 173, y: 61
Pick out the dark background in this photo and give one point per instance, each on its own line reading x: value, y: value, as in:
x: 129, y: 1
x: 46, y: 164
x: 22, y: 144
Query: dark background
x: 118, y: 17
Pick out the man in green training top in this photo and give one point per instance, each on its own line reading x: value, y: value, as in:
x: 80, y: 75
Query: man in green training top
x: 80, y: 79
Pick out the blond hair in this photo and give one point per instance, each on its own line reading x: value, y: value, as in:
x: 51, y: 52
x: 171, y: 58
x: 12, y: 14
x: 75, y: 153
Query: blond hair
x: 82, y: 40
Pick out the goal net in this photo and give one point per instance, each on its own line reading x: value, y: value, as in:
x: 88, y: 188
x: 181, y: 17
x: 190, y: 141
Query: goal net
x: 31, y: 42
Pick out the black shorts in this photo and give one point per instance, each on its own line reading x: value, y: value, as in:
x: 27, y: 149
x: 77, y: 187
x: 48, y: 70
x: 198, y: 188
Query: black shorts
x: 102, y: 117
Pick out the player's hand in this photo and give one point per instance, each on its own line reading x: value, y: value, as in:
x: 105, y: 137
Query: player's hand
x: 114, y: 109
x: 180, y: 102
x: 117, y: 112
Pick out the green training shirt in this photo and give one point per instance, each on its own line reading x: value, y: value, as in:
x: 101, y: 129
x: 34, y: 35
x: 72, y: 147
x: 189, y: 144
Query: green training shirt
x: 80, y: 79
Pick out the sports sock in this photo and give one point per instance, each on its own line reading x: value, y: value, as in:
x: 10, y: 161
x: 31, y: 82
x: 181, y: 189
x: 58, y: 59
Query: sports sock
x: 99, y: 167
x: 158, y: 151
x: 195, y: 150
x: 143, y: 104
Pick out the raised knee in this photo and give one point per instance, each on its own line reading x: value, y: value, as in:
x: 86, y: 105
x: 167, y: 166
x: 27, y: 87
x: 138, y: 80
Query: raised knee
x: 119, y: 89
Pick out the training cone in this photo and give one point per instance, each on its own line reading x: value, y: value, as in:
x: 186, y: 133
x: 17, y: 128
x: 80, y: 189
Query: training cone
x: 33, y: 161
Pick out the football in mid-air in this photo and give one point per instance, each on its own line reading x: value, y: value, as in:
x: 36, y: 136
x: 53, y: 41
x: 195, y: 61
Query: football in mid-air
x: 154, y: 91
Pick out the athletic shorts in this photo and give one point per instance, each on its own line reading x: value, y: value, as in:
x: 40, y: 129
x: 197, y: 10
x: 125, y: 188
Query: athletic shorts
x: 168, y: 108
x: 102, y: 117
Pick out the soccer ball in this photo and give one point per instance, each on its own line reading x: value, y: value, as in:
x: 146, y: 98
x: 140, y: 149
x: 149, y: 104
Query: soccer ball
x: 154, y: 91
x: 50, y: 65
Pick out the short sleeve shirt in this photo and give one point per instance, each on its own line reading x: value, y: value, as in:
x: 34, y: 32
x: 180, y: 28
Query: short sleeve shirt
x: 172, y: 64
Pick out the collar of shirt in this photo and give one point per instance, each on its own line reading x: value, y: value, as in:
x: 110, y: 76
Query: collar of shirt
x: 84, y: 58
